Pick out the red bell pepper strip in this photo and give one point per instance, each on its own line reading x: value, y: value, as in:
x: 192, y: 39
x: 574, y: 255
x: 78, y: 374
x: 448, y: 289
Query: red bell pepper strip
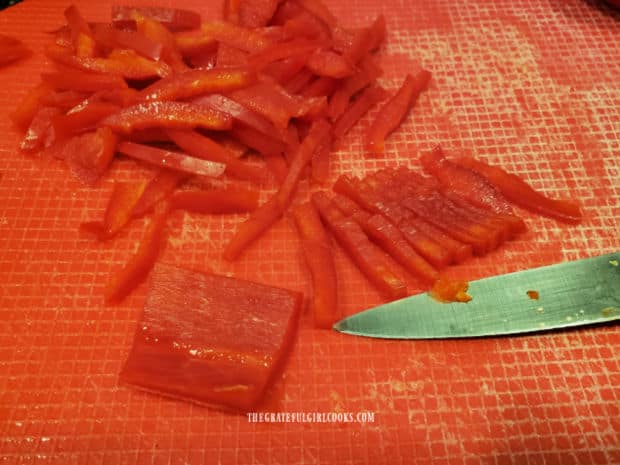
x: 167, y: 115
x: 256, y: 13
x: 365, y: 41
x: 198, y: 81
x: 11, y: 50
x: 242, y: 38
x: 40, y: 133
x: 304, y: 24
x: 329, y: 64
x: 364, y: 102
x: 201, y: 146
x: 317, y: 251
x: 369, y: 259
x: 262, y: 143
x: 385, y: 234
x: 447, y: 290
x: 119, y: 210
x: 299, y: 81
x: 82, y: 118
x: 216, y: 201
x: 139, y: 265
x: 278, y: 167
x: 89, y: 155
x: 172, y: 160
x: 459, y: 251
x: 320, y: 87
x: 211, y: 340
x: 195, y: 43
x: 396, y: 109
x: 519, y: 192
x: 367, y: 75
x: 321, y: 161
x: 273, y: 102
x: 465, y: 182
x: 272, y: 210
x: 284, y: 50
x: 81, y: 34
x: 125, y: 63
x: 63, y: 100
x: 229, y: 56
x: 157, y: 32
x: 124, y: 16
x: 82, y: 81
x: 283, y: 71
x: 26, y: 110
x: 109, y: 38
x: 230, y: 11
x: 158, y: 189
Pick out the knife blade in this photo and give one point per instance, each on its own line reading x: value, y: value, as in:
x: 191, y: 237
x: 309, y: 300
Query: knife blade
x: 570, y: 294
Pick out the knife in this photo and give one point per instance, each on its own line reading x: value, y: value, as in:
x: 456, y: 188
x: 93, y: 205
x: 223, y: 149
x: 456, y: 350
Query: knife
x: 570, y: 294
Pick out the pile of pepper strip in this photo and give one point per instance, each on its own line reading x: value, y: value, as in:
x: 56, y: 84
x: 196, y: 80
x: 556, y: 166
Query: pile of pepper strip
x: 281, y: 79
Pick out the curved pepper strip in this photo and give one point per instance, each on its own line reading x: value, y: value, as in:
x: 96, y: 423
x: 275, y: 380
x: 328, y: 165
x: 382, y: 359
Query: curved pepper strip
x: 40, y: 132
x: 242, y: 38
x: 158, y: 189
x: 395, y: 110
x: 198, y: 81
x: 81, y: 34
x: 519, y: 192
x: 26, y: 110
x: 83, y: 81
x: 203, y: 147
x: 157, y: 32
x: 319, y: 258
x: 216, y: 201
x: 109, y: 38
x: 369, y: 259
x: 82, y: 118
x: 175, y: 19
x: 180, y: 115
x: 364, y: 102
x: 119, y: 210
x: 126, y: 63
x: 137, y: 268
x: 272, y: 210
x: 172, y: 160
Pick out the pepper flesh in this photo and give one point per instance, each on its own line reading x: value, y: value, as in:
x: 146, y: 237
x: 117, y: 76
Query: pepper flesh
x: 391, y: 115
x: 519, y: 192
x: 318, y: 255
x: 211, y: 339
x: 216, y: 201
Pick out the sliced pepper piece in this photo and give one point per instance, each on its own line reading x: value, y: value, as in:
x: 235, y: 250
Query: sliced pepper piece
x: 328, y: 63
x: 81, y: 34
x: 158, y: 189
x: 118, y: 213
x: 82, y: 81
x: 125, y: 63
x: 272, y: 210
x: 365, y: 41
x: 386, y: 234
x: 256, y: 13
x: 12, y: 50
x: 216, y: 201
x: 469, y: 184
x: 109, y: 38
x: 40, y: 132
x: 519, y: 192
x: 157, y: 32
x: 211, y: 340
x: 243, y: 38
x: 26, y: 110
x: 320, y: 10
x: 82, y: 118
x: 284, y: 50
x: 365, y: 76
x: 172, y: 160
x: 317, y: 251
x: 122, y: 283
x: 89, y: 155
x: 259, y: 141
x: 364, y: 102
x: 201, y: 146
x: 167, y: 115
x: 396, y: 109
x: 369, y: 259
x: 195, y: 43
x: 175, y: 19
x: 198, y: 81
x: 64, y: 100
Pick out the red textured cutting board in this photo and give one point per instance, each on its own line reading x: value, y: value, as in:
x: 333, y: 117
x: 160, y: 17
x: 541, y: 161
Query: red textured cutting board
x: 533, y: 85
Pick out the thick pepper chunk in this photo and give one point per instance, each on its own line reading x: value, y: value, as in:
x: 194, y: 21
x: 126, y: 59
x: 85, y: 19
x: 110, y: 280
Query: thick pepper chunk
x: 211, y: 339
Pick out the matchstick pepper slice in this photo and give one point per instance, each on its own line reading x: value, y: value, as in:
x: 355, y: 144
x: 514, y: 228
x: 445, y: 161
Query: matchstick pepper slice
x: 211, y: 340
x: 369, y: 259
x: 393, y: 112
x: 182, y: 115
x: 519, y: 192
x: 122, y: 283
x: 317, y: 251
x: 175, y: 19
